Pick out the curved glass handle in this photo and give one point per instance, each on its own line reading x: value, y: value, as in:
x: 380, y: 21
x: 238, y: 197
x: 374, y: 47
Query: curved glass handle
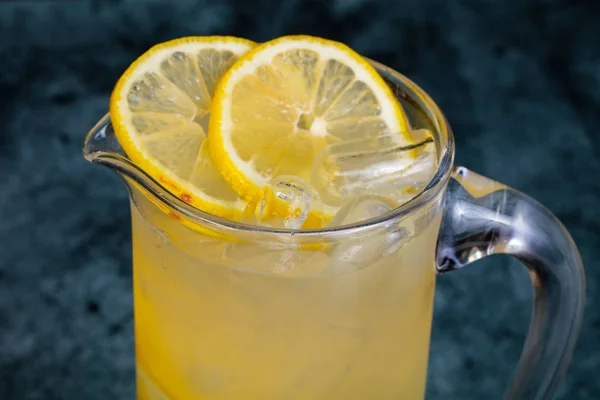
x: 483, y: 217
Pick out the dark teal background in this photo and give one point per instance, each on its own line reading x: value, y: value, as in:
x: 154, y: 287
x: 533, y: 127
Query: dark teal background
x: 519, y: 82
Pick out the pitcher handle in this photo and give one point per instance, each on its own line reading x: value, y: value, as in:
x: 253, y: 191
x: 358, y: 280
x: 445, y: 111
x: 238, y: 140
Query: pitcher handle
x: 483, y: 217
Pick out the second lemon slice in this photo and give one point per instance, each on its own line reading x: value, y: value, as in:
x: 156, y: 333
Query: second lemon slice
x: 281, y: 103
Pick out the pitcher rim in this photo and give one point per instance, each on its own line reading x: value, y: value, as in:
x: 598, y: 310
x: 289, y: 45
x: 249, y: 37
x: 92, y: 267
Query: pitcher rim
x: 126, y: 167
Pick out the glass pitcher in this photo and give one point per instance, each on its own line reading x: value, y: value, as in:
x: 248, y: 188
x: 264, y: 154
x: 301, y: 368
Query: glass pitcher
x: 225, y: 310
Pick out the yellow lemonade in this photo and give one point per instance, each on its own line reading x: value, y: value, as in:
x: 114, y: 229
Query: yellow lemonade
x: 296, y: 134
x: 222, y: 320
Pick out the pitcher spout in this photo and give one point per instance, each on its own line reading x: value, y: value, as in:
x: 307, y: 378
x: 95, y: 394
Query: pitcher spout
x: 102, y: 142
x: 102, y: 147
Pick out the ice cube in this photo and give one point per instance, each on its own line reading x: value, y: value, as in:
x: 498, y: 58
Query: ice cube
x: 368, y: 246
x: 362, y: 208
x: 276, y: 259
x: 285, y: 202
x: 375, y: 166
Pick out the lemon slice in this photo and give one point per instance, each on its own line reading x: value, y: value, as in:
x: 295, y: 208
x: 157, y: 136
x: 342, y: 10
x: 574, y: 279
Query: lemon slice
x: 160, y: 109
x: 282, y: 102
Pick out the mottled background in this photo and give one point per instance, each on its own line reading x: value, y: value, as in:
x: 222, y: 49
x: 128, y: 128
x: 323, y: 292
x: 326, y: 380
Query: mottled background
x: 519, y: 82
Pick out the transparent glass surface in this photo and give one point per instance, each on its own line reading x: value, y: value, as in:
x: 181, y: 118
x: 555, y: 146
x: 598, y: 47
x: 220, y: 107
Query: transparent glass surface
x: 225, y: 310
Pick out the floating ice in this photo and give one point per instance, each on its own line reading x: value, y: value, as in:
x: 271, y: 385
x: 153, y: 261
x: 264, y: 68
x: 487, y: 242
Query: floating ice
x: 366, y: 247
x: 286, y: 202
x: 375, y: 166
